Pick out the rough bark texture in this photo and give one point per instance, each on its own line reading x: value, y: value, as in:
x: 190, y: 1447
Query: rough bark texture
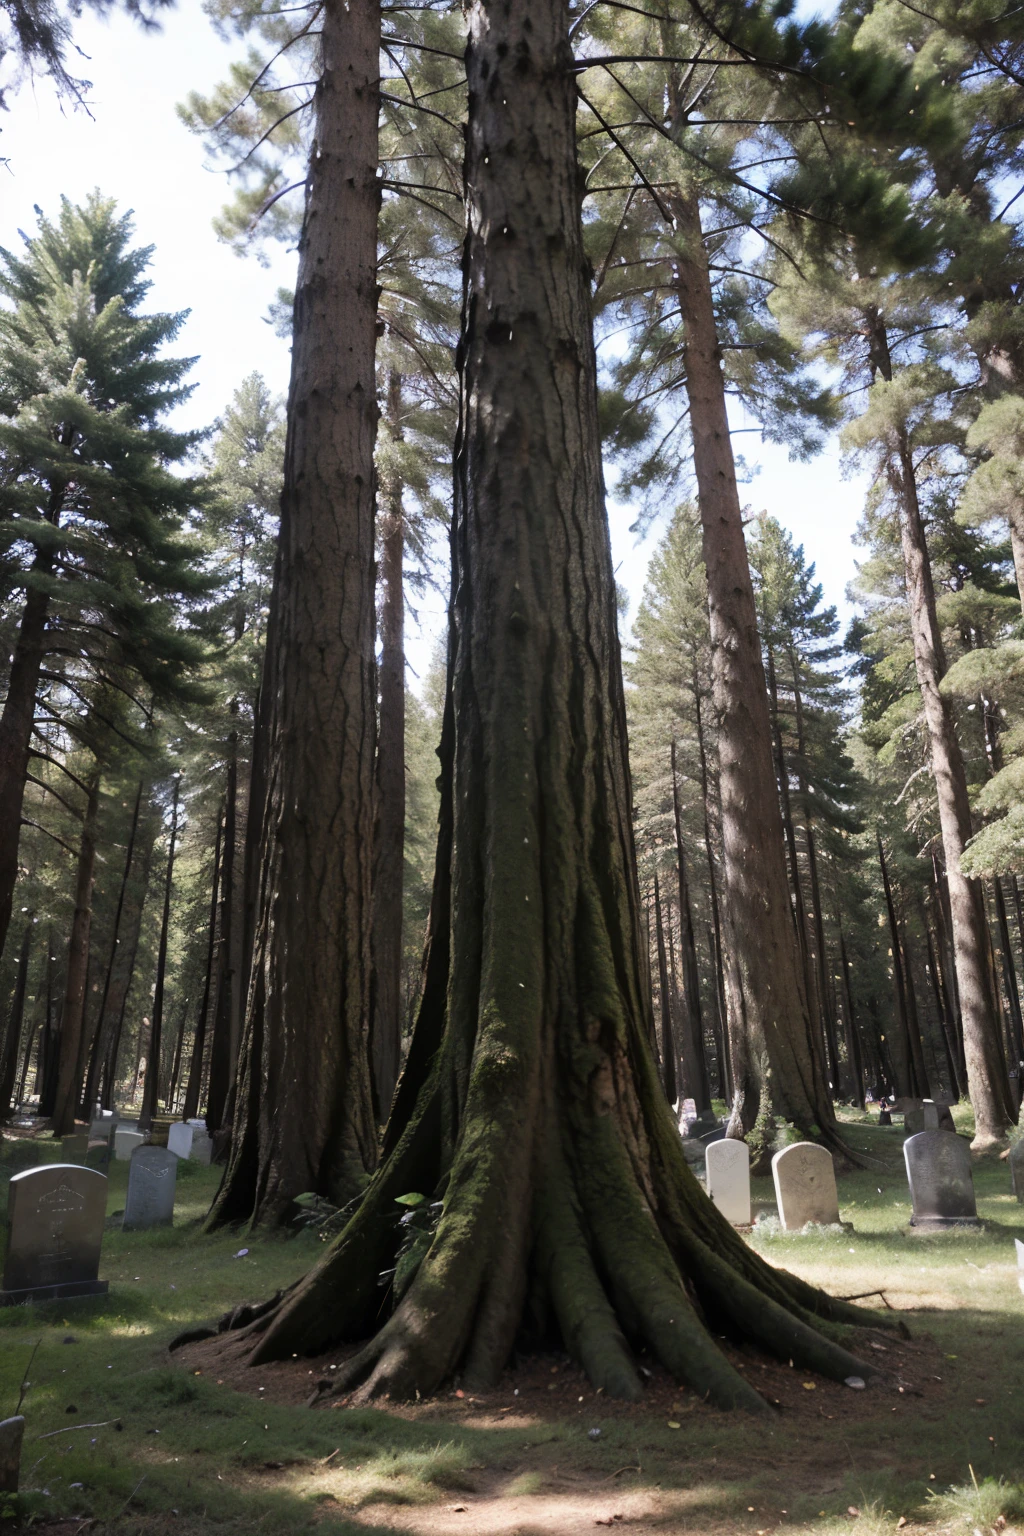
x: 195, y: 1070
x: 105, y: 1019
x: 72, y: 1017
x: 222, y: 1064
x: 389, y: 827
x: 530, y: 1109
x: 767, y: 1002
x: 303, y: 1112
x: 695, y: 1069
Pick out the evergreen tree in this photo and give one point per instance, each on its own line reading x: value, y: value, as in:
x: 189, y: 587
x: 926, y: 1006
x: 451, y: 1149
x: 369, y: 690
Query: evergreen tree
x: 93, y: 516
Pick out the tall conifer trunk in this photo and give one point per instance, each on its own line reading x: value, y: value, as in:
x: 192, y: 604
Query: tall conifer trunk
x: 72, y: 1017
x: 16, y: 721
x: 303, y: 1110
x: 530, y: 1109
x: 987, y: 1079
x: 389, y: 823
x: 767, y: 1004
x: 12, y: 1034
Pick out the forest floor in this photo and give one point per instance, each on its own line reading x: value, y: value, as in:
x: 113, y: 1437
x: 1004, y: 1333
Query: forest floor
x: 120, y: 1434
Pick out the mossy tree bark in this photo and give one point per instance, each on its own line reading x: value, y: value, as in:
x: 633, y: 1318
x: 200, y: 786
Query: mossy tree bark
x: 303, y: 1111
x: 530, y: 1108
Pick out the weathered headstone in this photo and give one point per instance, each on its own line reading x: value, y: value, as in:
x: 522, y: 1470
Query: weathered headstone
x: 73, y: 1148
x: 1019, y: 1246
x: 805, y: 1186
x: 98, y: 1155
x: 1017, y: 1169
x: 728, y: 1174
x: 941, y: 1186
x: 924, y: 1115
x: 159, y: 1127
x: 179, y: 1139
x: 202, y: 1148
x: 54, y: 1231
x: 125, y: 1143
x: 151, y: 1178
x: 12, y: 1432
x: 103, y: 1128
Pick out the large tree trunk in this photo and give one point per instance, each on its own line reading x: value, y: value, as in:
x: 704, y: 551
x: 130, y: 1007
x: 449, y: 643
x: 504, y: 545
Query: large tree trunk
x: 389, y: 828
x: 73, y: 1013
x: 305, y: 1119
x: 667, y: 1035
x: 768, y: 1008
x: 151, y: 1093
x: 530, y: 1108
x: 124, y: 969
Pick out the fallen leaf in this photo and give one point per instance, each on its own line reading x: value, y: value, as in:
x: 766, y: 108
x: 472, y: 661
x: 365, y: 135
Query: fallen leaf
x: 674, y: 1424
x: 852, y: 1509
x: 810, y: 1386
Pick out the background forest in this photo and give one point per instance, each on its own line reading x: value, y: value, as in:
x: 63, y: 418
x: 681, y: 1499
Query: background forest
x: 855, y: 268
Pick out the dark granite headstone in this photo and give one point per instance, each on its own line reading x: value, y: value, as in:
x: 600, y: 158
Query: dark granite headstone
x: 152, y: 1174
x: 1016, y: 1161
x: 12, y: 1432
x: 925, y: 1115
x: 54, y: 1231
x: 941, y: 1186
x: 73, y: 1149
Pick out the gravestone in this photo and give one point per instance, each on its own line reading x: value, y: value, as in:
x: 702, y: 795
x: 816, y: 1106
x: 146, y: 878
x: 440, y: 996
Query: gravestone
x: 941, y: 1186
x: 805, y: 1186
x: 687, y: 1116
x: 159, y: 1127
x: 728, y: 1174
x: 98, y: 1155
x: 924, y: 1115
x: 12, y: 1432
x: 179, y: 1139
x: 54, y: 1230
x: 125, y: 1143
x: 103, y: 1129
x: 202, y: 1148
x: 73, y: 1149
x: 1017, y: 1169
x: 151, y: 1179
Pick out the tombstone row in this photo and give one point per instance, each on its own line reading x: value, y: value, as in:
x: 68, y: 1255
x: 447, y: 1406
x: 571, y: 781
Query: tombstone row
x: 938, y: 1172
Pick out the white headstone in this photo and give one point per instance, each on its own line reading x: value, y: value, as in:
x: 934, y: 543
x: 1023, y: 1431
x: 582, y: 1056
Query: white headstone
x: 202, y: 1148
x: 728, y: 1173
x: 1017, y: 1169
x: 179, y: 1139
x: 125, y: 1143
x: 151, y: 1180
x: 805, y: 1186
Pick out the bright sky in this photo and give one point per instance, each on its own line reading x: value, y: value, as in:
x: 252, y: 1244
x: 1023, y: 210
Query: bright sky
x: 134, y: 148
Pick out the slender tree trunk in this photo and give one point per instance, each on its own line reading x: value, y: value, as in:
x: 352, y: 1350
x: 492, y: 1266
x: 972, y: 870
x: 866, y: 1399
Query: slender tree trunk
x: 942, y: 1012
x: 195, y: 1070
x: 905, y: 1050
x: 721, y: 1021
x: 73, y: 1013
x: 304, y: 1118
x: 696, y: 1083
x: 46, y: 1076
x: 768, y: 1008
x: 131, y: 928
x: 12, y: 1034
x: 222, y: 1062
x: 853, y: 1047
x: 530, y: 1105
x: 104, y: 1019
x: 389, y: 829
x: 944, y: 927
x: 1012, y: 990
x: 825, y: 992
x: 151, y: 1094
x: 986, y: 1069
x: 668, y: 1045
x: 17, y: 719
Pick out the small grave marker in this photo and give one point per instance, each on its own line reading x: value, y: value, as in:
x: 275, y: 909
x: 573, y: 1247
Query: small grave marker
x: 941, y: 1186
x: 151, y: 1180
x: 1017, y: 1169
x: 805, y: 1186
x: 202, y: 1148
x: 728, y: 1174
x: 179, y: 1139
x: 125, y: 1143
x: 73, y: 1148
x: 54, y: 1231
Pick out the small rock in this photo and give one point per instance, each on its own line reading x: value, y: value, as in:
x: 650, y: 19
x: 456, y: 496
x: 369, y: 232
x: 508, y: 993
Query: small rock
x: 70, y: 1408
x: 69, y: 1339
x: 241, y: 1253
x: 593, y: 1434
x: 856, y: 1382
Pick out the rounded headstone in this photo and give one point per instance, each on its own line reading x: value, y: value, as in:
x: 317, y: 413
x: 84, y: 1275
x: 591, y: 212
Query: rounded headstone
x: 728, y: 1179
x: 805, y: 1186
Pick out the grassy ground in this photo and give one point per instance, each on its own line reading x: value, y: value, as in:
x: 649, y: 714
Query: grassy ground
x: 149, y: 1445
